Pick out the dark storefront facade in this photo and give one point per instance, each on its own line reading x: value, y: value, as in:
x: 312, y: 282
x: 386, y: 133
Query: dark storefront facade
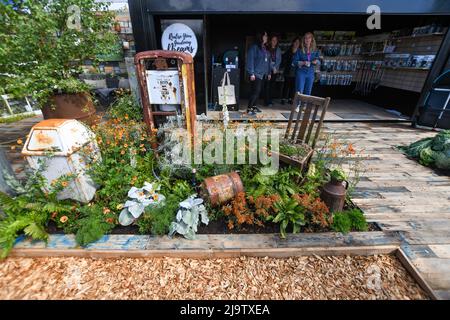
x: 221, y: 26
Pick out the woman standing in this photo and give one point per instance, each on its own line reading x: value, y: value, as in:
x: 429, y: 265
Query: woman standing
x: 275, y: 61
x: 259, y: 68
x: 305, y: 60
x: 289, y: 72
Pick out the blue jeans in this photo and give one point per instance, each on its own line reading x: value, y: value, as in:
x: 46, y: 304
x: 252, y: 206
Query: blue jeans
x: 304, y: 81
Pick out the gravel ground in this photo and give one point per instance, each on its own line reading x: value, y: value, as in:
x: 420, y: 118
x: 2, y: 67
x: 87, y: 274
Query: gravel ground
x: 311, y: 277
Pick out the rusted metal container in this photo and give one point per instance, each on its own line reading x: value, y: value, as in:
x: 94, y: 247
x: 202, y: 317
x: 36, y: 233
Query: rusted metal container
x: 222, y: 188
x: 65, y: 147
x: 333, y: 194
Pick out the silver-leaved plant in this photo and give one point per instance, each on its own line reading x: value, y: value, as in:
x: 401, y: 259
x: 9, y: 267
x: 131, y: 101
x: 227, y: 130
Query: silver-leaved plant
x: 140, y: 199
x: 191, y: 211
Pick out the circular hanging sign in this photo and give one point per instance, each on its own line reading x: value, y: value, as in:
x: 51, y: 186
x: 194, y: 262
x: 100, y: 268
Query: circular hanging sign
x: 179, y: 37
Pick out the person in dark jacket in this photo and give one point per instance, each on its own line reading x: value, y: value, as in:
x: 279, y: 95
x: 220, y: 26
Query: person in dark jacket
x: 275, y: 61
x: 259, y: 69
x: 289, y: 71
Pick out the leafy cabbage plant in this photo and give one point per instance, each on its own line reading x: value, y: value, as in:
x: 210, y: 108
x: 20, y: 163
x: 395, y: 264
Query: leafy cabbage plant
x: 434, y: 151
x: 191, y: 211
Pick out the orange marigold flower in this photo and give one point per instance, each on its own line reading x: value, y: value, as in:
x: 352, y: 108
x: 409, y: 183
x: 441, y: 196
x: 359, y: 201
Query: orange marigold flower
x: 230, y: 224
x: 106, y: 210
x: 54, y: 214
x: 110, y: 220
x: 19, y: 141
x: 63, y: 219
x: 126, y: 145
x: 122, y: 152
x: 64, y: 184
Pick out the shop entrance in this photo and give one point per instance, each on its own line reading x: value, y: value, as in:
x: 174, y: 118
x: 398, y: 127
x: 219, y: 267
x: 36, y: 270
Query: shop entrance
x: 369, y: 75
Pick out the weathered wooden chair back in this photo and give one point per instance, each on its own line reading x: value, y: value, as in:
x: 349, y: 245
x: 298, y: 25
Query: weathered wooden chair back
x: 307, y: 128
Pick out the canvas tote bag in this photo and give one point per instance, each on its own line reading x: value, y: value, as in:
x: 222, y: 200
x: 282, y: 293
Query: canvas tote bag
x: 226, y: 91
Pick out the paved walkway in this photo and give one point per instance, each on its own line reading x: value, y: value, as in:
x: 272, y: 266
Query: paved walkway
x: 400, y: 194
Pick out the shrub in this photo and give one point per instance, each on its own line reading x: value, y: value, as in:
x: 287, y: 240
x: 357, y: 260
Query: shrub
x: 317, y: 212
x: 126, y: 107
x: 350, y: 220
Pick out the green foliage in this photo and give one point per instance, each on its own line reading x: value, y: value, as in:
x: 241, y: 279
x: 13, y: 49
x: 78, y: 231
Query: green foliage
x: 338, y: 174
x: 92, y: 225
x: 126, y: 107
x: 349, y: 220
x: 433, y: 151
x: 341, y: 222
x: 126, y: 160
x: 289, y: 212
x: 284, y: 182
x: 426, y: 156
x: 414, y: 149
x: 41, y: 52
x: 442, y: 160
x: 157, y: 219
x: 292, y: 150
x: 16, y: 118
x: 29, y: 211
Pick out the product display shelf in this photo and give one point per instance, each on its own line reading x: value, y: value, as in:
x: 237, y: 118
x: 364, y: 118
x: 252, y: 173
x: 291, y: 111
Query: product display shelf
x: 411, y: 37
x: 406, y: 68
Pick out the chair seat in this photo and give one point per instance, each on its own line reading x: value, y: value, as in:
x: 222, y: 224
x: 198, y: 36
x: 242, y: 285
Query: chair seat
x: 297, y: 160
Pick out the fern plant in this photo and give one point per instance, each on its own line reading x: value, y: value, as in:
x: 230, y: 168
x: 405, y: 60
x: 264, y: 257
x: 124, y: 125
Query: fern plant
x: 30, y: 210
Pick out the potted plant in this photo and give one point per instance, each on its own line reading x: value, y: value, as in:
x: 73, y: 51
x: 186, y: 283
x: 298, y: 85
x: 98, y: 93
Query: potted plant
x: 43, y: 46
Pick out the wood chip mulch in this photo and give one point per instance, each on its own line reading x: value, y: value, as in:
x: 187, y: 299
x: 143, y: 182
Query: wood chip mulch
x: 308, y: 277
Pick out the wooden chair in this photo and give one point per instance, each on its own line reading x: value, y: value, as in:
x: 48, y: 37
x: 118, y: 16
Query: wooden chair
x: 306, y: 128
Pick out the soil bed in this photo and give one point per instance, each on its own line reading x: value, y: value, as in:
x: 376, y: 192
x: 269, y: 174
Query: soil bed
x: 218, y: 226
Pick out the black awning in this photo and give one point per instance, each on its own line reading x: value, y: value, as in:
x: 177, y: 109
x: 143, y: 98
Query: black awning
x: 414, y: 7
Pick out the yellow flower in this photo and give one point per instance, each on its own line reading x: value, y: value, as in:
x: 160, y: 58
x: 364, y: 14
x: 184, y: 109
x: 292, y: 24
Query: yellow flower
x: 63, y: 219
x: 64, y: 184
x: 119, y: 207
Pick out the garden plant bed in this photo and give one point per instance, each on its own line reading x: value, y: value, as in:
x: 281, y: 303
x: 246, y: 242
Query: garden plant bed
x: 312, y: 277
x: 146, y: 191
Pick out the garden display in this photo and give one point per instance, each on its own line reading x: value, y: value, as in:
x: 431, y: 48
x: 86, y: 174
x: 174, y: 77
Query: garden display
x: 432, y: 152
x: 145, y: 190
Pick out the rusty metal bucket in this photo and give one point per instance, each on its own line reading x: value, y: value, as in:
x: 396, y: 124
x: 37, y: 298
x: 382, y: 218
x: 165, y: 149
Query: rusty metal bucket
x: 222, y: 188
